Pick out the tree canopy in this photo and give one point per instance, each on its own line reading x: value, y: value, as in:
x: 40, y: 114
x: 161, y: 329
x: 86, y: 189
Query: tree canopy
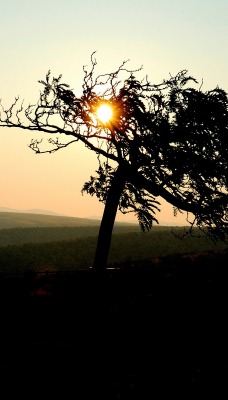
x: 165, y: 140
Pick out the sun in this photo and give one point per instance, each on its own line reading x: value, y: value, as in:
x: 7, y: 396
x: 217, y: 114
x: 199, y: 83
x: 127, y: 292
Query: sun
x: 104, y: 113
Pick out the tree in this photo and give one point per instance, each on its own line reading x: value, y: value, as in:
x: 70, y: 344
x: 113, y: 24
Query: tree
x: 165, y: 140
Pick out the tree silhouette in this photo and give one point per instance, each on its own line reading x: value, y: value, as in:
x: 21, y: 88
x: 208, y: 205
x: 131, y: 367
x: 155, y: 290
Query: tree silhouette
x: 165, y: 140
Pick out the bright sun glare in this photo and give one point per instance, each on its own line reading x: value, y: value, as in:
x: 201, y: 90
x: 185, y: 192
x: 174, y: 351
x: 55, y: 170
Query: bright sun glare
x: 104, y: 113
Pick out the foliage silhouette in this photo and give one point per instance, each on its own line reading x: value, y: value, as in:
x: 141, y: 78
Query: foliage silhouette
x: 166, y: 140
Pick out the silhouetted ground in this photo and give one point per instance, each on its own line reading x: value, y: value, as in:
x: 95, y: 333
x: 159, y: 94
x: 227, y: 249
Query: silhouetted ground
x: 151, y: 331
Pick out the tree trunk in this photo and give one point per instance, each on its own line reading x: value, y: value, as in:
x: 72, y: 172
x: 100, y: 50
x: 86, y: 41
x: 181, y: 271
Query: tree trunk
x: 108, y: 219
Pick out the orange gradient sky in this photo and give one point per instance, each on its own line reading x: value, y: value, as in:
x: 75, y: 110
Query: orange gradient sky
x: 37, y: 35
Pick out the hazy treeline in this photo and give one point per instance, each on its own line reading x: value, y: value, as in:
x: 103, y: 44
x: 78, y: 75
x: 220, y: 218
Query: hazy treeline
x: 67, y: 249
x: 50, y: 234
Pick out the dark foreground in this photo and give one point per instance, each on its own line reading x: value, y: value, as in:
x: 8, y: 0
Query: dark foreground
x: 148, y: 332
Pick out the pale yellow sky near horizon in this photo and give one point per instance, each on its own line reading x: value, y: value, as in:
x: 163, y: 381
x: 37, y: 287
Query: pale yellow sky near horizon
x: 37, y: 35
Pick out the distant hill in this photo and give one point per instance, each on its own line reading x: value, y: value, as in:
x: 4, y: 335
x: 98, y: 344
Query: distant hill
x: 65, y: 220
x: 17, y: 228
x: 9, y: 220
x: 30, y: 211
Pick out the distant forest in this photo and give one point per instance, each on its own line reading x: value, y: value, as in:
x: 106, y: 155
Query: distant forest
x: 35, y: 242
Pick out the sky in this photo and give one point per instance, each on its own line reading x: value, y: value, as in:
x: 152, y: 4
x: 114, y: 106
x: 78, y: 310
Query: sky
x: 163, y: 36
